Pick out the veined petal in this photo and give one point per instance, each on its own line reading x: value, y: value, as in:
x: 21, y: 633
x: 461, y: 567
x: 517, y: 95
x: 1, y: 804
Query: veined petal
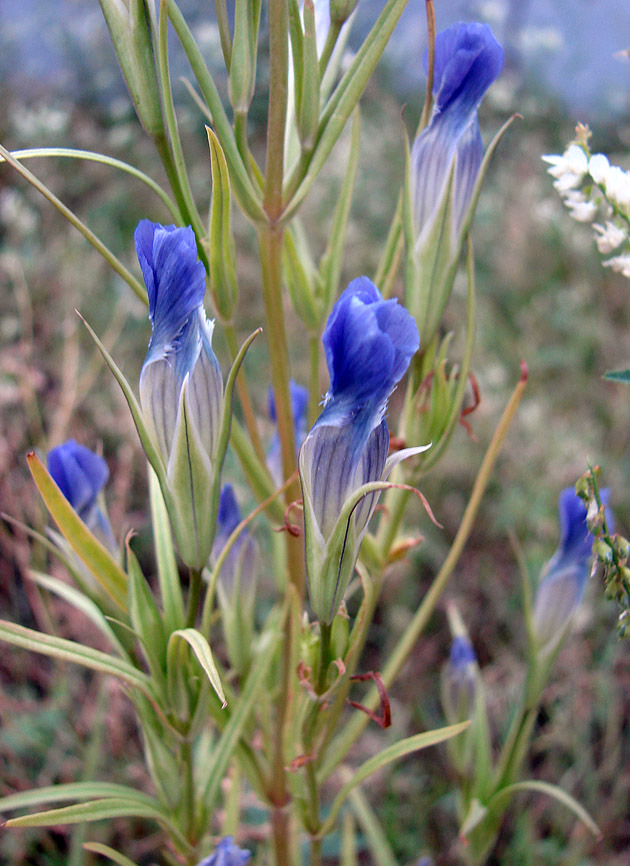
x: 557, y: 598
x: 174, y: 277
x: 469, y: 153
x: 371, y: 468
x: 467, y: 60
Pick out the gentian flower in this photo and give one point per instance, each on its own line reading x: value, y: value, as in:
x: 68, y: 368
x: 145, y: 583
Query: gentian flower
x: 227, y: 854
x: 299, y: 409
x: 81, y: 474
x: 181, y: 387
x: 237, y: 581
x: 467, y: 60
x: 444, y: 166
x: 564, y: 578
x: 369, y: 343
x: 459, y: 681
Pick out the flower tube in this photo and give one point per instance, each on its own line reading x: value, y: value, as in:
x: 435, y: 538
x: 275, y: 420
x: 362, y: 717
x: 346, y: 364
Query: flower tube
x: 369, y: 343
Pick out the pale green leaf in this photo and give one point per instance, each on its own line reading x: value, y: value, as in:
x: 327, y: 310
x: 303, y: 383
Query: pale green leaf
x: 201, y: 648
x: 535, y: 786
x: 71, y: 651
x: 106, y: 851
x: 71, y: 791
x: 392, y: 753
x: 168, y: 574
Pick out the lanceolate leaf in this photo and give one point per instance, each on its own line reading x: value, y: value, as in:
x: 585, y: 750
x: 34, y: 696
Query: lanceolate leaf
x: 106, y: 851
x: 72, y: 791
x: 201, y: 648
x: 553, y: 791
x: 71, y: 651
x: 393, y: 753
x: 88, y: 548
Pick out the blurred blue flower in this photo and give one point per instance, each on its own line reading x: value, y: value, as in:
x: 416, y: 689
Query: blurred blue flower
x: 81, y: 474
x: 369, y: 343
x: 467, y: 60
x: 564, y: 578
x: 227, y: 854
x: 180, y: 351
x: 241, y: 560
x: 459, y: 680
x: 299, y: 410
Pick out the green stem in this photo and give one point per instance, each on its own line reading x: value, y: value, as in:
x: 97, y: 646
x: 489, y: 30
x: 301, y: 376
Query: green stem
x: 405, y: 645
x: 329, y: 46
x: 194, y: 594
x: 188, y: 796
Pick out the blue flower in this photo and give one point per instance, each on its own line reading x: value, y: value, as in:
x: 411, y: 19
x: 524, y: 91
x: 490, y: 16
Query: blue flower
x: 227, y: 854
x: 299, y: 410
x: 81, y: 474
x: 369, y: 343
x: 180, y: 352
x: 181, y: 387
x: 565, y: 576
x: 240, y: 563
x: 459, y: 681
x: 467, y: 60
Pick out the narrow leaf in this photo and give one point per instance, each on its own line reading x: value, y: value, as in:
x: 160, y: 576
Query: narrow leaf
x: 106, y: 851
x: 201, y: 648
x: 617, y: 376
x: 81, y: 602
x: 88, y: 548
x: 392, y: 753
x: 71, y: 651
x: 553, y: 791
x: 71, y: 791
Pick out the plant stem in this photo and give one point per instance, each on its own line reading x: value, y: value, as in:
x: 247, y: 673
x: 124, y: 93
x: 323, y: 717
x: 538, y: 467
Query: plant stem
x: 194, y: 594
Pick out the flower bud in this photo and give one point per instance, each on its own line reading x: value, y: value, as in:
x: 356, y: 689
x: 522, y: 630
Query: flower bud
x: 227, y: 854
x: 181, y: 387
x: 445, y: 161
x: 564, y: 578
x: 81, y: 474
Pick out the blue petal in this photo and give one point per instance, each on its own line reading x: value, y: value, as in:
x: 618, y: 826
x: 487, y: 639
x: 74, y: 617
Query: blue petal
x: 79, y: 473
x: 369, y: 343
x: 467, y: 60
x: 299, y: 408
x: 462, y: 653
x: 175, y: 279
x: 227, y: 854
x: 229, y: 515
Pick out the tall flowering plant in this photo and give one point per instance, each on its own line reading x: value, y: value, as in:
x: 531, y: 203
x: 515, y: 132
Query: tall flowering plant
x: 241, y: 656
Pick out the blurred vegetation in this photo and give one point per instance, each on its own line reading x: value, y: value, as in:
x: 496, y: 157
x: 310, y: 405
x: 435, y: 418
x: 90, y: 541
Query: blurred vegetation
x: 543, y: 297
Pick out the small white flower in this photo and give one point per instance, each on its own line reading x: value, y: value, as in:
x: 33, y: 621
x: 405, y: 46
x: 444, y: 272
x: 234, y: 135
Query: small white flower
x: 620, y: 264
x: 580, y: 207
x: 568, y: 169
x: 608, y: 237
x: 598, y: 168
x: 617, y: 187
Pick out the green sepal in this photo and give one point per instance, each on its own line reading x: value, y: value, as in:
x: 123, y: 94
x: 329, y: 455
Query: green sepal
x: 330, y: 267
x: 87, y: 547
x: 220, y: 244
x: 146, y: 620
x: 242, y: 75
x: 308, y: 106
x: 131, y: 35
x: 428, y: 286
x: 190, y: 480
x: 168, y: 574
x: 330, y: 562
